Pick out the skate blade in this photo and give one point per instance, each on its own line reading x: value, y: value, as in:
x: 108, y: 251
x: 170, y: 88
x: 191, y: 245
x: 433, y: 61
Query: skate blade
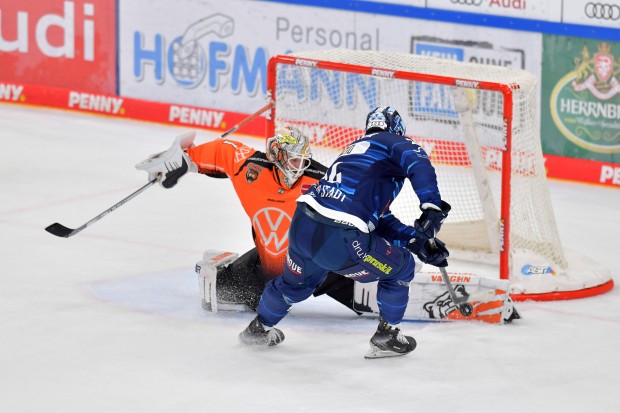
x: 274, y: 338
x: 375, y: 353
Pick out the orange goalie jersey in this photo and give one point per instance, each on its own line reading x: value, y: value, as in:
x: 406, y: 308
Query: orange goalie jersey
x: 269, y: 205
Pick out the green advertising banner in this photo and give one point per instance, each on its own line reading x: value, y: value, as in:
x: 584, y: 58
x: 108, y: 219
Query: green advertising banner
x: 580, y: 114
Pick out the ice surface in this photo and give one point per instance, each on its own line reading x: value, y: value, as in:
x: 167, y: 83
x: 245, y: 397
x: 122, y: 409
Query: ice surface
x: 110, y: 319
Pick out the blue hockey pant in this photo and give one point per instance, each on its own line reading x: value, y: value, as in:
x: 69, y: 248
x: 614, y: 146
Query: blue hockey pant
x: 315, y: 248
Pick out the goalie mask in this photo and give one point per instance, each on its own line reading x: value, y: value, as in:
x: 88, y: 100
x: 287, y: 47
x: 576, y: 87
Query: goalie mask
x: 289, y: 151
x: 385, y: 118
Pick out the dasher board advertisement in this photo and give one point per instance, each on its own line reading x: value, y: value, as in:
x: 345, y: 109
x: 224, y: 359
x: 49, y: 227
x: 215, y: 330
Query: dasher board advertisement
x: 215, y: 54
x: 596, y: 14
x: 549, y: 10
x: 205, y: 55
x: 67, y: 44
x: 581, y: 98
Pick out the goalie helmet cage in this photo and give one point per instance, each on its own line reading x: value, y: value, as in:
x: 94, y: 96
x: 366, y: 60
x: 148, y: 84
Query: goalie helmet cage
x: 479, y: 126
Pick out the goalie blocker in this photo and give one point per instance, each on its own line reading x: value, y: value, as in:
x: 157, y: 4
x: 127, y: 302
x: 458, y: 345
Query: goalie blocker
x: 428, y: 297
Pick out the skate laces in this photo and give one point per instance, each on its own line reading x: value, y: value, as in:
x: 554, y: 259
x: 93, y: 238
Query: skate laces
x: 401, y: 338
x: 393, y: 332
x: 273, y: 334
x: 256, y: 327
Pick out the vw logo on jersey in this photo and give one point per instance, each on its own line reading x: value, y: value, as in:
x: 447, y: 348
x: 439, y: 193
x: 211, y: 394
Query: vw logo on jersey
x: 272, y: 226
x: 602, y: 11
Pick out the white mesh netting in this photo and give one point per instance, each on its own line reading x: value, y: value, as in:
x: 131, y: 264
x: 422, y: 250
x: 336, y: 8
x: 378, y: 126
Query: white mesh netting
x: 462, y: 128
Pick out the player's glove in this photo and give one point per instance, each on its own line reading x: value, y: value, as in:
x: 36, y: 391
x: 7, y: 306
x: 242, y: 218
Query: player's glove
x: 430, y: 251
x: 167, y: 167
x: 429, y: 223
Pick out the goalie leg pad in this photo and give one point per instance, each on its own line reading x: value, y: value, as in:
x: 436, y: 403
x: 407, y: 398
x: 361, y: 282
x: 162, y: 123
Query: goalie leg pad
x: 488, y: 297
x: 429, y: 300
x: 207, y: 270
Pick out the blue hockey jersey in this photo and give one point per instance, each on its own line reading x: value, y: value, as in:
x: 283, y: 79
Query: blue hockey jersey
x: 364, y: 180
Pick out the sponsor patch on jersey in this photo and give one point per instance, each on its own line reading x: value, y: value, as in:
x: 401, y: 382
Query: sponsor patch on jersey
x: 293, y: 266
x: 356, y: 272
x: 252, y: 173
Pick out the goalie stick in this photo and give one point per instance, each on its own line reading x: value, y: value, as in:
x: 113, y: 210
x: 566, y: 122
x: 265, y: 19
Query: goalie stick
x: 62, y: 231
x: 248, y: 119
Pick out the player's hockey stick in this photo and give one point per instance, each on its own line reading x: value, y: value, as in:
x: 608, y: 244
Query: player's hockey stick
x: 460, y: 302
x: 61, y: 231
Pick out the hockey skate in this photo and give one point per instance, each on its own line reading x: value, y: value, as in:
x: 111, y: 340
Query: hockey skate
x: 256, y: 335
x: 389, y: 342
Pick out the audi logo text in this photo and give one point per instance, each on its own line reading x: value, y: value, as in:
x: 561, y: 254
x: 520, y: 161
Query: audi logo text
x: 602, y: 11
x: 468, y: 2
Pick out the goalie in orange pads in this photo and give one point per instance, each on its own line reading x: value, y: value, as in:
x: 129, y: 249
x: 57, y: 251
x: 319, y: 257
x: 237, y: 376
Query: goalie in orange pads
x: 267, y: 185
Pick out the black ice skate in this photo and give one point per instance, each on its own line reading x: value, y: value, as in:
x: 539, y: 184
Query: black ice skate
x: 256, y: 335
x: 389, y: 342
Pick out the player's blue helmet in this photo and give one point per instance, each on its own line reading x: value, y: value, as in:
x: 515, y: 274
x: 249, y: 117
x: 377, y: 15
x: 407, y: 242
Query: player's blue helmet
x: 385, y: 118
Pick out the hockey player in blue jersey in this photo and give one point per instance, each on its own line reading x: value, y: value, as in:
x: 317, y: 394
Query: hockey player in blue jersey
x: 344, y: 224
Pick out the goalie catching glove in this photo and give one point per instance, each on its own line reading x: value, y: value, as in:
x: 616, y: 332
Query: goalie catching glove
x: 169, y: 166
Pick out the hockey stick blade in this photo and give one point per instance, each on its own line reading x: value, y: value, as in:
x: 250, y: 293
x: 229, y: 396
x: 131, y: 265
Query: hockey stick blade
x: 60, y: 230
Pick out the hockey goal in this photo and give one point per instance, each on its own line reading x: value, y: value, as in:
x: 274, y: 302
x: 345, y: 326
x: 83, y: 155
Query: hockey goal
x: 479, y: 125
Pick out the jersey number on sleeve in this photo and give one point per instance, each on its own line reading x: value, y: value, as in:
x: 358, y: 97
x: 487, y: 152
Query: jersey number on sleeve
x: 334, y: 175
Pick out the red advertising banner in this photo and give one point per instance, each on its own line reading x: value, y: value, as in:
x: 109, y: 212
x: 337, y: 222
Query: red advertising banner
x: 219, y: 121
x: 110, y: 105
x: 582, y: 170
x: 67, y: 44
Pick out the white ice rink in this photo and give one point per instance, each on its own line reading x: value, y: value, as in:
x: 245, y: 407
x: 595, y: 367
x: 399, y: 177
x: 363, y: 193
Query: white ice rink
x: 110, y: 320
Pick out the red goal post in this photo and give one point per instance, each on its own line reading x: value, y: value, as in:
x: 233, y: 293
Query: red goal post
x: 479, y: 125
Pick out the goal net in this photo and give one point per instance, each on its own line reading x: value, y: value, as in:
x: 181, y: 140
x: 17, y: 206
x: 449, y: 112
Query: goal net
x: 479, y: 126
